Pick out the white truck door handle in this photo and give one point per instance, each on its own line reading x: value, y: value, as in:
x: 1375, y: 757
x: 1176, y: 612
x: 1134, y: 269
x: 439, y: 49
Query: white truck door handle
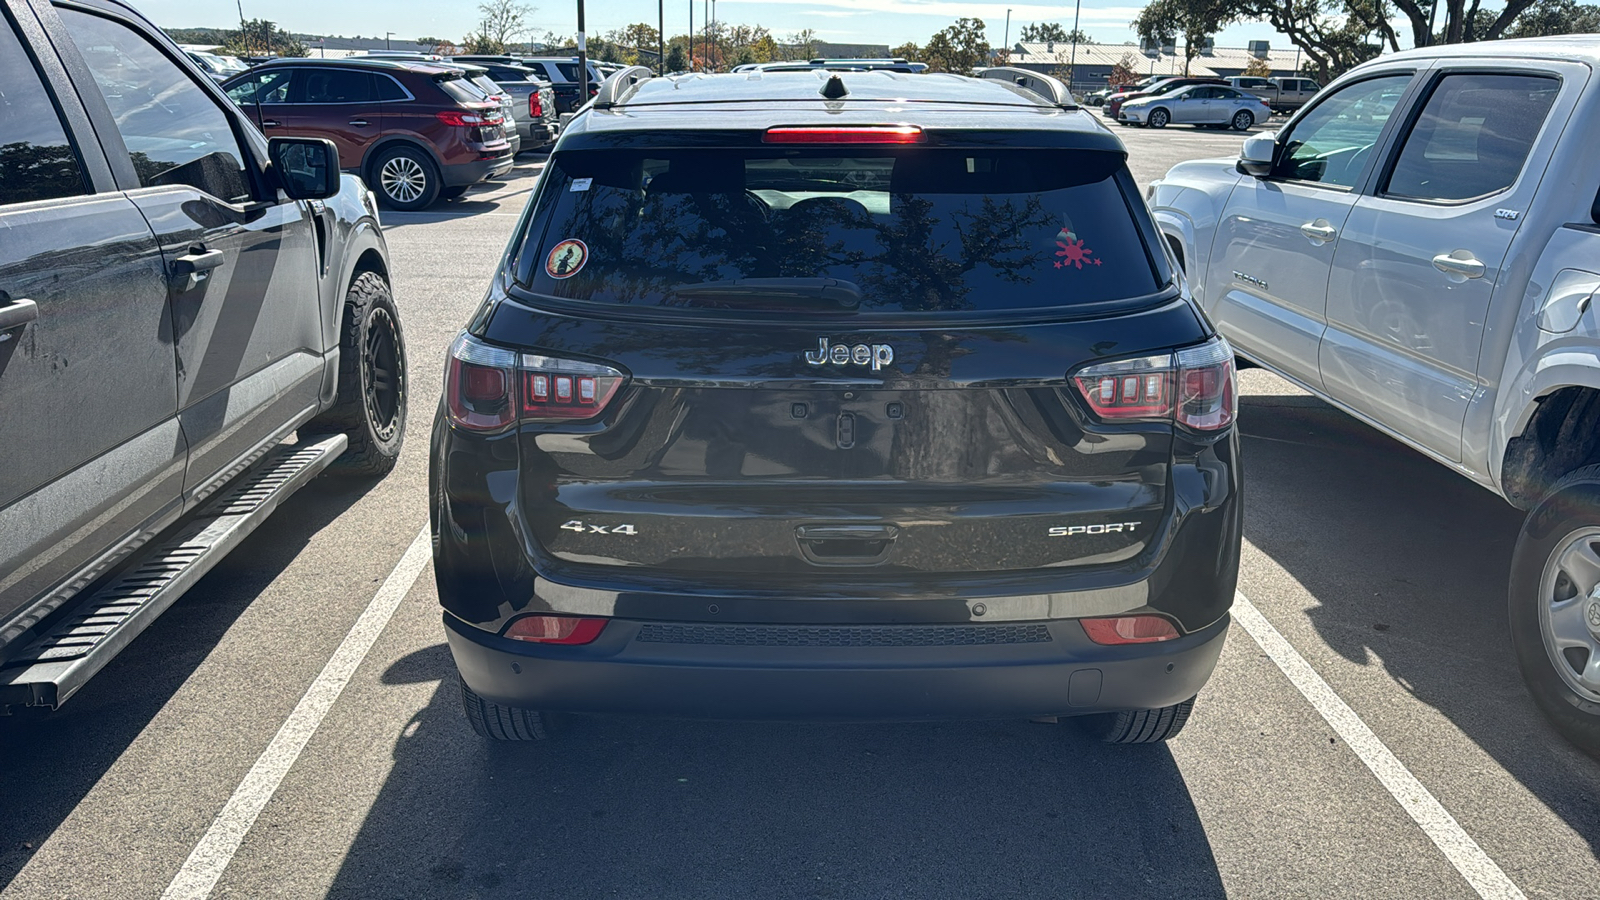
x: 1319, y: 231
x: 1459, y: 265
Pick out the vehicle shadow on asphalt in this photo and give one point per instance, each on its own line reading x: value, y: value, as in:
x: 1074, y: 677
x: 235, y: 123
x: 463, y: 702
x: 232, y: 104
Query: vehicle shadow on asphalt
x: 1408, y: 563
x: 666, y: 808
x: 52, y: 761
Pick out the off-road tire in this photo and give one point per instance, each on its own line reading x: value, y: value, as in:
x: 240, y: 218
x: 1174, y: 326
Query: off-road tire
x: 1573, y: 503
x: 1242, y: 120
x: 371, y: 407
x: 411, y: 162
x: 1139, y: 726
x: 1159, y: 118
x: 501, y: 723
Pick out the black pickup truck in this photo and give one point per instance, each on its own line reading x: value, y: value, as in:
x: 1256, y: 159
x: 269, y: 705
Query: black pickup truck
x: 194, y: 323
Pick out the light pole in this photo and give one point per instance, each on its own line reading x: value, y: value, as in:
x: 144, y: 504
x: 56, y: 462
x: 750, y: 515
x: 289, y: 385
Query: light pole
x: 1072, y: 67
x: 661, y: 37
x: 386, y: 36
x: 1008, y: 34
x: 583, y: 60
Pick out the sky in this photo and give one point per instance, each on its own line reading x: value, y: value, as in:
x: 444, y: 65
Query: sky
x: 891, y: 22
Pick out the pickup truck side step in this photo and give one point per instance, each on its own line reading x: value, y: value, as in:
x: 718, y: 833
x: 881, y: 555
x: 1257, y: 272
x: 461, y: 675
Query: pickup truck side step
x: 61, y: 661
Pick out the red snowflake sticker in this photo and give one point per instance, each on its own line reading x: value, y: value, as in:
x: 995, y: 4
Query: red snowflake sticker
x: 1074, y: 253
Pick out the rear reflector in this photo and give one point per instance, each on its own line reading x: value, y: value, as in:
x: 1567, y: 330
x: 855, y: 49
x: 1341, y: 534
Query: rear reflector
x: 555, y: 629
x: 869, y: 134
x: 1129, y: 630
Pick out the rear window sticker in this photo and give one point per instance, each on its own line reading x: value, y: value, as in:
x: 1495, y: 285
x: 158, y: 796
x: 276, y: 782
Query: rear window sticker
x: 1074, y: 253
x: 580, y: 184
x: 566, y: 258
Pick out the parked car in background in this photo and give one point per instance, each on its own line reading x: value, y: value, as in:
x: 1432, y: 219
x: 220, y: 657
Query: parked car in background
x: 1282, y: 94
x: 538, y: 123
x: 1201, y: 105
x: 1113, y: 104
x: 178, y: 296
x: 1418, y: 247
x: 562, y: 73
x: 476, y: 74
x: 417, y: 131
x: 219, y: 68
x: 685, y: 465
x: 1097, y: 97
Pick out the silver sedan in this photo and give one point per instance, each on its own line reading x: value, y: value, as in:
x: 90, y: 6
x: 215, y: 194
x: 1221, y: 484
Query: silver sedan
x: 1205, y: 105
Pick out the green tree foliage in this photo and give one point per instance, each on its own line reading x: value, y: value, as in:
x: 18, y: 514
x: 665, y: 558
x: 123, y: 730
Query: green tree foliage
x: 476, y: 42
x: 1556, y: 17
x: 1258, y: 68
x: 958, y: 48
x: 909, y: 51
x: 258, y: 37
x: 1126, y: 71
x: 677, y: 60
x: 1044, y: 32
x: 209, y: 37
x: 1194, y: 20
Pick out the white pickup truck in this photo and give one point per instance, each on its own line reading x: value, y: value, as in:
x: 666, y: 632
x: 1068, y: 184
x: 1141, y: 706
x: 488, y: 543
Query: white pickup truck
x: 1420, y: 247
x: 1282, y: 94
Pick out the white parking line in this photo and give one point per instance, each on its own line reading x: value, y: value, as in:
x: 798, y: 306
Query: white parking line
x: 211, y: 856
x: 1435, y: 821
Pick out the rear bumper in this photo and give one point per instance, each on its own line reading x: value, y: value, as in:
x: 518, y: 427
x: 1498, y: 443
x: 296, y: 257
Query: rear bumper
x: 469, y: 173
x: 879, y: 673
x: 537, y: 134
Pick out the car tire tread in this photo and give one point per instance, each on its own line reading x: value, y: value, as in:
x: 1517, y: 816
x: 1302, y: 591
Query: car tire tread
x: 502, y: 723
x: 1139, y: 726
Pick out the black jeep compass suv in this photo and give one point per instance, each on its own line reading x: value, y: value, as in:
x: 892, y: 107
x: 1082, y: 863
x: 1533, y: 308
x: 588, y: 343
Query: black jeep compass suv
x: 836, y: 396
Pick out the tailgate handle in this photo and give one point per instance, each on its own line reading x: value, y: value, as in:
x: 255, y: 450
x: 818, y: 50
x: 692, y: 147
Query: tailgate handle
x: 846, y: 545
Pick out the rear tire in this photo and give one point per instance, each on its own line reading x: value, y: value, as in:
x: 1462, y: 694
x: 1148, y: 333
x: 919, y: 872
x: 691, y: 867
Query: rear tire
x: 501, y: 723
x: 1550, y: 573
x: 1139, y: 726
x: 404, y: 178
x: 1159, y: 118
x: 1243, y: 119
x: 371, y: 407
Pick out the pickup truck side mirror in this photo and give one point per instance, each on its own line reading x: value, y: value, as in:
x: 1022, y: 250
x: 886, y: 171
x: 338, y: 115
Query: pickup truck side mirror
x: 1259, y: 153
x: 306, y: 168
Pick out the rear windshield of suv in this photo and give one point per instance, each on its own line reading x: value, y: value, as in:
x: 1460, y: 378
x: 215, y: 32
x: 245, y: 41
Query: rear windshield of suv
x: 850, y: 229
x: 460, y: 89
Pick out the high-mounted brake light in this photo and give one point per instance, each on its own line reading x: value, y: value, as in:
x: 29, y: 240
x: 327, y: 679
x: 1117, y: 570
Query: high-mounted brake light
x: 555, y: 629
x: 1129, y: 630
x: 1193, y: 387
x: 865, y: 134
x: 488, y: 388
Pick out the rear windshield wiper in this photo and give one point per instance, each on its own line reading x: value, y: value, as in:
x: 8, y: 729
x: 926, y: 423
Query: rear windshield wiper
x: 821, y: 294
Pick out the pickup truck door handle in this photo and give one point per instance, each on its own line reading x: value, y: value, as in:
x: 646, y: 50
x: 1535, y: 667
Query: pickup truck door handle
x: 195, y: 266
x: 1319, y: 231
x: 360, y: 122
x: 16, y: 314
x: 1459, y: 265
x: 270, y: 123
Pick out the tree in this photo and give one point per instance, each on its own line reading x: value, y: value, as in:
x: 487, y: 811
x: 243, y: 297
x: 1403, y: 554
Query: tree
x: 676, y: 60
x: 1556, y: 17
x: 909, y: 51
x: 958, y: 48
x: 1126, y: 71
x: 634, y: 39
x: 258, y: 37
x: 1196, y: 20
x: 804, y: 42
x: 476, y: 42
x: 1333, y: 34
x: 502, y: 20
x: 1257, y: 68
x: 1040, y: 32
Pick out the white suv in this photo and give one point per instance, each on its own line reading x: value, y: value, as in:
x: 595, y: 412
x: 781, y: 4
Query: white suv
x: 1419, y: 247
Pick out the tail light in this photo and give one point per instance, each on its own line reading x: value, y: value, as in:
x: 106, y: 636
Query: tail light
x: 463, y: 118
x: 1193, y: 387
x: 555, y: 629
x: 1129, y: 630
x: 489, y: 388
x: 535, y: 106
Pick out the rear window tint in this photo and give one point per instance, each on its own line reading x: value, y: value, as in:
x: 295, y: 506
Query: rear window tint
x: 918, y: 231
x: 462, y: 90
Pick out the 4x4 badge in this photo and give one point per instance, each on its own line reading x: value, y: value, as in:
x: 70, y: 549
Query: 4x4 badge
x: 875, y: 355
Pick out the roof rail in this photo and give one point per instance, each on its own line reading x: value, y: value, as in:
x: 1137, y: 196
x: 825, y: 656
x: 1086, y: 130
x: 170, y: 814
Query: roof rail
x: 1053, y: 90
x: 618, y: 86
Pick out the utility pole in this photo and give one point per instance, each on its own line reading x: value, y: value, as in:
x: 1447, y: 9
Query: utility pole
x: 1007, y: 42
x: 1072, y: 67
x: 705, y: 43
x: 661, y: 37
x: 386, y: 36
x: 583, y: 60
x: 691, y: 35
x: 244, y: 34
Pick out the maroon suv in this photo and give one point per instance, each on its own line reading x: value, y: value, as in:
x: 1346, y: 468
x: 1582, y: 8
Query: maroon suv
x: 414, y: 130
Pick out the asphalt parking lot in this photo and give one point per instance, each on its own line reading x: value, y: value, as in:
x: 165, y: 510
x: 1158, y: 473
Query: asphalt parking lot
x: 291, y: 728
